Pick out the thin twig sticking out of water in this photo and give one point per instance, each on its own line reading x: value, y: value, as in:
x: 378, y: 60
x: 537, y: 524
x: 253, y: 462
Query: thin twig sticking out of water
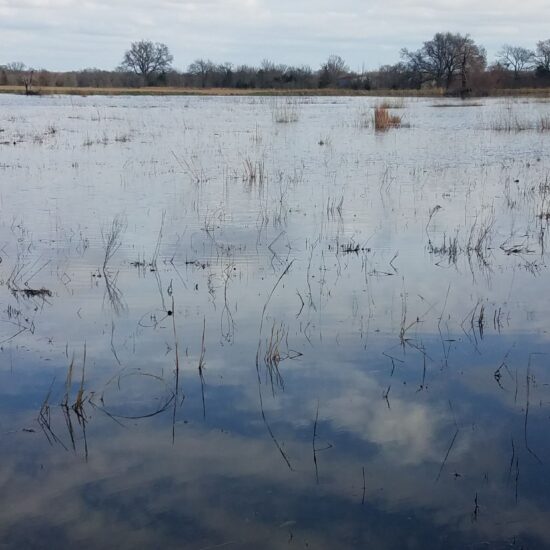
x: 44, y: 420
x: 227, y: 324
x: 517, y: 479
x: 113, y: 349
x: 153, y: 264
x: 446, y: 349
x: 77, y: 408
x: 65, y: 402
x: 315, y: 449
x: 511, y: 460
x: 264, y: 418
x: 287, y: 269
x: 450, y: 446
x: 308, y: 275
x: 364, y: 486
x: 202, y: 367
x: 497, y: 375
x: 528, y: 382
x: 476, y: 509
x: 176, y: 390
x: 78, y: 405
x: 313, y: 445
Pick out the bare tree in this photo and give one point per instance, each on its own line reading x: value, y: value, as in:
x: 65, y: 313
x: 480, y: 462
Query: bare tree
x: 542, y: 56
x: 15, y: 66
x: 301, y: 77
x: 222, y: 75
x: 27, y: 82
x: 147, y: 59
x: 445, y: 56
x: 336, y: 65
x: 516, y: 58
x: 472, y: 58
x: 334, y: 68
x: 201, y: 68
x: 394, y: 77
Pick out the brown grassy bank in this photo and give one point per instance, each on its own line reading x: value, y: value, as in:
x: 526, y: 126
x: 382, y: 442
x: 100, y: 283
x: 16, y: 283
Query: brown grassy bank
x: 168, y: 91
x: 218, y: 91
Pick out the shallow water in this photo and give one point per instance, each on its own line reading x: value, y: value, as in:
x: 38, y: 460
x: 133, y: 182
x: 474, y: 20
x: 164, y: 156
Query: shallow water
x: 306, y: 334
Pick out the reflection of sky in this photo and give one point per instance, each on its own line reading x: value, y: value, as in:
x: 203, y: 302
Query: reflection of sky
x: 387, y: 405
x: 134, y: 476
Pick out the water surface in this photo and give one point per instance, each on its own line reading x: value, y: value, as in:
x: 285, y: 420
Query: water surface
x: 223, y: 330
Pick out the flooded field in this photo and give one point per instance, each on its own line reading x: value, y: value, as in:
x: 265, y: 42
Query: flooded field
x: 262, y: 323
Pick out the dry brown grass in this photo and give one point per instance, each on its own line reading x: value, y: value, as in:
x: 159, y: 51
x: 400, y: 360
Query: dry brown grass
x: 384, y: 120
x: 52, y: 90
x: 167, y: 90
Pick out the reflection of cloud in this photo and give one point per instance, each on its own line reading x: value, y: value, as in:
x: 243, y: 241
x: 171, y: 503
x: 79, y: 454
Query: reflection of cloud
x: 407, y: 431
x: 84, y: 500
x: 210, y: 488
x: 412, y: 430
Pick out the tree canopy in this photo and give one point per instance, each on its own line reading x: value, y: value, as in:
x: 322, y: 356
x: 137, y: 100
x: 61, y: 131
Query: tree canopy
x: 146, y: 58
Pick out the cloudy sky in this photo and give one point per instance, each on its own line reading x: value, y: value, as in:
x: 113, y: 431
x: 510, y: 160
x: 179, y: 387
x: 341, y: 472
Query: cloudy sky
x: 73, y: 34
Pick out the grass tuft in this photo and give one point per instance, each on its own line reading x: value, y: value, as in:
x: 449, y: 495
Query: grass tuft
x: 384, y: 120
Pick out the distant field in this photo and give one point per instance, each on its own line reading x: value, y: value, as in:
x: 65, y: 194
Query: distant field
x: 438, y: 92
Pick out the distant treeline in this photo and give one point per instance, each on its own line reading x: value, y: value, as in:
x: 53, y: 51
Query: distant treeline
x: 453, y: 62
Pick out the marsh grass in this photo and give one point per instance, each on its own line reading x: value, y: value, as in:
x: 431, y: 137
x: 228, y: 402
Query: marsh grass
x: 512, y: 123
x: 384, y: 120
x: 254, y: 172
x: 364, y: 118
x: 461, y: 104
x: 509, y: 121
x: 449, y: 249
x: 544, y: 123
x: 111, y: 238
x: 284, y: 111
x: 395, y: 103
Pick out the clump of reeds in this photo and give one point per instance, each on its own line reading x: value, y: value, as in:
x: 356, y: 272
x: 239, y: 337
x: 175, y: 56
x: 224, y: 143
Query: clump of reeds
x: 449, y: 249
x: 544, y: 123
x: 479, y: 240
x: 111, y: 238
x: 364, y: 118
x: 277, y: 350
x: 286, y: 110
x: 254, y: 172
x: 396, y: 103
x: 509, y: 121
x: 384, y: 120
